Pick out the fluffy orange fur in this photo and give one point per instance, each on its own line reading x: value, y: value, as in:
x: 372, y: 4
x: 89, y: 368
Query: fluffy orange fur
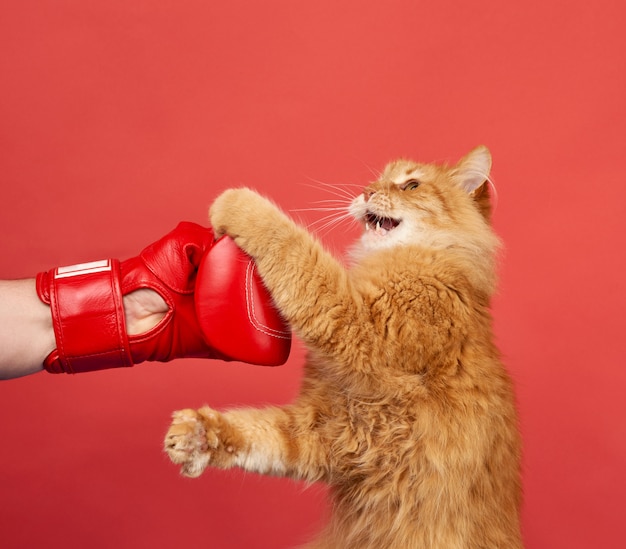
x: 405, y: 408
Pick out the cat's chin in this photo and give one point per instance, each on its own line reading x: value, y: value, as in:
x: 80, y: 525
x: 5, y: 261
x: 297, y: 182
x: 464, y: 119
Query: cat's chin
x: 377, y: 238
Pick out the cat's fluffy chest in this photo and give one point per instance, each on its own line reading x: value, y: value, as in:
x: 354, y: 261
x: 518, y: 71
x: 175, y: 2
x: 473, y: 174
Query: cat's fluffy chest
x: 417, y: 307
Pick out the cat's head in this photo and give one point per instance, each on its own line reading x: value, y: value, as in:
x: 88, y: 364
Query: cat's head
x: 430, y: 205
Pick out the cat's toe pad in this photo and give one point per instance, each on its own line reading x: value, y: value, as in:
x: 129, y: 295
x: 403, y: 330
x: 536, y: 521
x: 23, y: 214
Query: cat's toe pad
x: 187, y: 444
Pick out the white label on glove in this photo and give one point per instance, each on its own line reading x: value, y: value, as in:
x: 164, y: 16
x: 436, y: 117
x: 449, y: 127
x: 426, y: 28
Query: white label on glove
x: 83, y: 268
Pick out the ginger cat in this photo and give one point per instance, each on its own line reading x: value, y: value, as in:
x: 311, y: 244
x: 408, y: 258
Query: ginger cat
x: 405, y: 409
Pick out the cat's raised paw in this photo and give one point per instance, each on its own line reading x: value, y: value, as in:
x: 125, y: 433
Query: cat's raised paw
x: 240, y: 213
x: 197, y: 438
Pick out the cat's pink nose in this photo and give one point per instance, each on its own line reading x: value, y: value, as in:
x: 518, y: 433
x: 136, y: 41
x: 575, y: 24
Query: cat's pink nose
x: 368, y: 194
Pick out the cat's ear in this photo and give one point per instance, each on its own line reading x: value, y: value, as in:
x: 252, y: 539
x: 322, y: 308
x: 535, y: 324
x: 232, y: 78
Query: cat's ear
x: 472, y: 171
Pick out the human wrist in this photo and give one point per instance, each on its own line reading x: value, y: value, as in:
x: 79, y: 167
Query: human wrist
x: 143, y: 310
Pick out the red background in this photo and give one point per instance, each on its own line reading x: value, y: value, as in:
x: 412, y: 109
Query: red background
x: 119, y: 119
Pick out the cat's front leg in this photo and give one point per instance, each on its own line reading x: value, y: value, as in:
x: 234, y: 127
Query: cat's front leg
x: 254, y: 439
x: 198, y: 438
x: 304, y: 279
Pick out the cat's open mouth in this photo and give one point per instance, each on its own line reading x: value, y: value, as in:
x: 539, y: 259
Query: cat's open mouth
x: 382, y: 225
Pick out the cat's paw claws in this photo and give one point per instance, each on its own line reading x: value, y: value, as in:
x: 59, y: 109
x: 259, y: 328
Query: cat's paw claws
x: 196, y: 439
x: 186, y: 443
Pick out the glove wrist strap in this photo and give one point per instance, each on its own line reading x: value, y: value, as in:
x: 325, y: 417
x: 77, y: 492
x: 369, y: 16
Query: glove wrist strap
x: 88, y: 317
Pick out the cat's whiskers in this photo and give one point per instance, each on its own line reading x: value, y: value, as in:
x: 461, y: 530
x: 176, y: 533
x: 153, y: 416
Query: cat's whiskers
x: 332, y: 203
x: 376, y: 173
x: 343, y: 191
x: 336, y: 209
x: 325, y: 223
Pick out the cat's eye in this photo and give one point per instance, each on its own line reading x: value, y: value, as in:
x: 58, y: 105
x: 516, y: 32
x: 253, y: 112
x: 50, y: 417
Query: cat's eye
x: 411, y: 185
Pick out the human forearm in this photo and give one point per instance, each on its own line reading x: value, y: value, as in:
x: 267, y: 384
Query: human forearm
x: 26, y: 333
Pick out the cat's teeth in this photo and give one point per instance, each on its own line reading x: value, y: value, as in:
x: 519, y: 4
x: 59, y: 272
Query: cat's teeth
x: 376, y: 227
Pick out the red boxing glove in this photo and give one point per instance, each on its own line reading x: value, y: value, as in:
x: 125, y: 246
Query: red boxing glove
x: 234, y: 307
x: 88, y: 311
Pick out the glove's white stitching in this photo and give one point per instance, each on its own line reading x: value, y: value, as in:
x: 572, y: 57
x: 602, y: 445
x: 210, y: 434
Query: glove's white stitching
x: 251, y: 310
